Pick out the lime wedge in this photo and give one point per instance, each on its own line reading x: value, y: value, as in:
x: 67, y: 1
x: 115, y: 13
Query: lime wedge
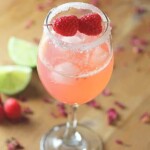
x: 22, y: 52
x: 14, y: 79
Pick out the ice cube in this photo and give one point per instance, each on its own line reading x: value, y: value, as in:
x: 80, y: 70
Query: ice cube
x: 73, y: 39
x: 99, y: 56
x: 65, y: 73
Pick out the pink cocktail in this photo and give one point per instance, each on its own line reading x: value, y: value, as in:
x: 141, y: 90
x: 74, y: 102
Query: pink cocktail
x: 74, y: 70
x: 74, y: 78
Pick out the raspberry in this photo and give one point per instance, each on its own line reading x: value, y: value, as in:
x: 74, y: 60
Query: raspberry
x: 2, y: 114
x: 66, y: 25
x: 12, y: 109
x: 90, y: 24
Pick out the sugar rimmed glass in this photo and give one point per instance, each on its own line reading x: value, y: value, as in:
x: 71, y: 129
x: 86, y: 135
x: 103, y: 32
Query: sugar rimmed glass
x: 74, y: 70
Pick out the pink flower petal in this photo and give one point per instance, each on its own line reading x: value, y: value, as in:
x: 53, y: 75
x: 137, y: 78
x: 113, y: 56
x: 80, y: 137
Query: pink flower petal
x: 94, y: 104
x: 112, y: 116
x: 13, y: 144
x: 36, y: 40
x: 40, y: 7
x: 120, y: 142
x: 62, y: 109
x: 144, y: 42
x: 135, y: 41
x: 48, y: 100
x: 138, y: 50
x: 63, y: 112
x: 145, y: 118
x: 61, y: 105
x: 106, y: 92
x: 29, y: 23
x: 119, y: 49
x: 54, y: 115
x: 28, y: 111
x: 120, y: 105
x: 138, y: 42
x: 23, y: 98
x: 140, y: 10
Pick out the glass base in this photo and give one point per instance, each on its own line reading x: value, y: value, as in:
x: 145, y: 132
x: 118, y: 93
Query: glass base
x: 86, y: 139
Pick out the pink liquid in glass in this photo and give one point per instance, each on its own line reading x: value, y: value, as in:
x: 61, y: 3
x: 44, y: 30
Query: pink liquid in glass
x: 74, y: 77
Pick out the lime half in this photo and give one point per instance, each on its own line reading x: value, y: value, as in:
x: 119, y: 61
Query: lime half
x: 22, y: 52
x: 14, y: 79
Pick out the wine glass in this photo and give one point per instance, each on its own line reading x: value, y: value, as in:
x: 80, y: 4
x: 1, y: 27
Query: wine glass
x: 74, y: 70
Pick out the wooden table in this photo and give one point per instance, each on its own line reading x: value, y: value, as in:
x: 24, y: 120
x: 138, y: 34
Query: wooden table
x: 130, y: 82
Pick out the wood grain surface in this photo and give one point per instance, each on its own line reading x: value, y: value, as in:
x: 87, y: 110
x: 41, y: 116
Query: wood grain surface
x: 130, y: 82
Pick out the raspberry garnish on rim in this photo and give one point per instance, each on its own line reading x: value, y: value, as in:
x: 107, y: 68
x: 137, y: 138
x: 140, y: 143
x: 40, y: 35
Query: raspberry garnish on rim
x: 89, y: 24
x: 66, y: 25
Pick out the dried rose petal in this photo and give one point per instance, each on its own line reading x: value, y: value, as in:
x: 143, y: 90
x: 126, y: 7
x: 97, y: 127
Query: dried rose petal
x: 28, y: 111
x: 40, y: 7
x: 145, y: 118
x: 144, y: 42
x: 10, y: 147
x: 94, y: 104
x: 106, y: 92
x: 54, y: 115
x: 48, y: 100
x: 119, y: 49
x: 23, y: 98
x: 63, y: 112
x: 29, y: 23
x: 13, y: 144
x: 140, y: 10
x: 138, y: 50
x: 44, y: 5
x: 62, y: 109
x: 36, y: 41
x: 120, y: 142
x: 61, y: 105
x: 120, y: 105
x: 112, y: 116
x: 135, y: 41
x: 138, y: 42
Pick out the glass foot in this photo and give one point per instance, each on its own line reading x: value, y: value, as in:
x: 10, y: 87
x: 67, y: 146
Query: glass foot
x: 86, y: 139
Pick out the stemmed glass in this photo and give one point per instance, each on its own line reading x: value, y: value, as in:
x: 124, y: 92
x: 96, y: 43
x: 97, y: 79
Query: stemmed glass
x: 74, y: 70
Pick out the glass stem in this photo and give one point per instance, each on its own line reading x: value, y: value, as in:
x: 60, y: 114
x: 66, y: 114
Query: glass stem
x: 71, y: 136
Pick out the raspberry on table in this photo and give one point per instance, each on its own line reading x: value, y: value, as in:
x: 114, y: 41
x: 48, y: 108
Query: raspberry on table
x: 12, y: 109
